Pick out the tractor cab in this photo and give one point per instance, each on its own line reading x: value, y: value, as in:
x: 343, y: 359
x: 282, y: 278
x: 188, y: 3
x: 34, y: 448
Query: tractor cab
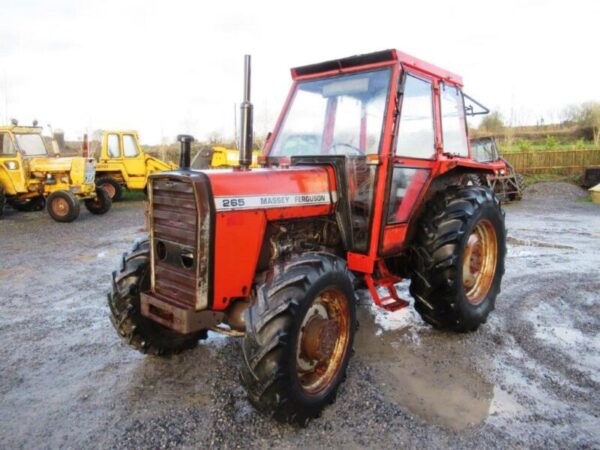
x: 396, y: 121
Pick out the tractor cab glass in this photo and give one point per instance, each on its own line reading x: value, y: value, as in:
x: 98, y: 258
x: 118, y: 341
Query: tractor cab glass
x: 130, y: 148
x: 31, y: 144
x: 114, y: 150
x: 342, y: 115
x: 6, y: 145
x: 484, y: 150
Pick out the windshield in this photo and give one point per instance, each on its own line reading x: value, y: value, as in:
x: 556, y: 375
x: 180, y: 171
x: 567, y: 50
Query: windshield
x: 483, y: 150
x: 340, y: 115
x: 31, y: 144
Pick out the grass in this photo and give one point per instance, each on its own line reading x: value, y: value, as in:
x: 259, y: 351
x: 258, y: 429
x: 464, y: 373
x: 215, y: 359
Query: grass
x: 531, y: 179
x: 133, y: 196
x: 516, y: 148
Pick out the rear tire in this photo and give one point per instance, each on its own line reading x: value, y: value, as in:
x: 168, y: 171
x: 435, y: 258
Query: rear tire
x: 136, y: 330
x: 32, y: 204
x: 281, y: 377
x: 459, y: 258
x: 112, y: 186
x: 520, y: 182
x: 101, y: 204
x: 63, y: 206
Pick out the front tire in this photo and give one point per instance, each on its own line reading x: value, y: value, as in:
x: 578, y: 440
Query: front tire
x: 101, y: 204
x: 63, y: 206
x: 459, y: 258
x: 137, y: 331
x: 299, y: 336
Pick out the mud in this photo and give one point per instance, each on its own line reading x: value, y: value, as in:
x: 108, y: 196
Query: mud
x: 529, y: 377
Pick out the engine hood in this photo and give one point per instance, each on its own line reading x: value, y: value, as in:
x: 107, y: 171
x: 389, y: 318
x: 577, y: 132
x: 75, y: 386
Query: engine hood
x: 271, y: 188
x: 47, y: 164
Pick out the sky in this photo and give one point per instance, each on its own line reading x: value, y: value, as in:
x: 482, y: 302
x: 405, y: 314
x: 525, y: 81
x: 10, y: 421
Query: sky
x: 170, y: 67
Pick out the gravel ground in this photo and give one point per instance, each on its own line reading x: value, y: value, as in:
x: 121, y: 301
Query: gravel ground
x: 530, y: 377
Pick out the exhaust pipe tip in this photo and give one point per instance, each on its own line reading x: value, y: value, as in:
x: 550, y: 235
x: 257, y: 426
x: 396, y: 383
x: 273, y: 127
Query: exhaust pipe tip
x: 246, y: 113
x: 185, y: 141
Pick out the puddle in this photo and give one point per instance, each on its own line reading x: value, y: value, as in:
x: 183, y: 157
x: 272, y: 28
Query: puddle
x: 435, y: 385
x: 530, y: 243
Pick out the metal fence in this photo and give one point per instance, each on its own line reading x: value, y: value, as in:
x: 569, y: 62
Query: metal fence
x: 563, y: 162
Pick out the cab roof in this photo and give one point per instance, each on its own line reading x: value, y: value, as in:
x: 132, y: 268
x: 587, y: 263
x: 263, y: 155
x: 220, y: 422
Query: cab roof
x: 385, y: 56
x: 21, y: 129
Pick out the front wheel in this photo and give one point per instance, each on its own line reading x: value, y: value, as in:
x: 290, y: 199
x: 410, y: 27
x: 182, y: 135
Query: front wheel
x: 101, y: 203
x: 63, y: 206
x: 136, y: 330
x: 459, y: 258
x: 299, y: 335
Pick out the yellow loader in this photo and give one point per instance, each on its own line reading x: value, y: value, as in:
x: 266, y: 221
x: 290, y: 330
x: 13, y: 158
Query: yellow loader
x: 122, y: 163
x: 30, y: 178
x: 217, y: 157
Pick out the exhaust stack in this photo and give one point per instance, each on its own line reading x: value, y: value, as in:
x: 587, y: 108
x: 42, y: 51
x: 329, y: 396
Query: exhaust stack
x: 185, y: 141
x: 85, y: 146
x: 246, y: 120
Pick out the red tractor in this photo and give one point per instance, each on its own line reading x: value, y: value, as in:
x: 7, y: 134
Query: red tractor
x: 361, y: 185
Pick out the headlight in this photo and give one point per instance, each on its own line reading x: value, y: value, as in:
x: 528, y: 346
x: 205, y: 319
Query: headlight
x: 11, y: 165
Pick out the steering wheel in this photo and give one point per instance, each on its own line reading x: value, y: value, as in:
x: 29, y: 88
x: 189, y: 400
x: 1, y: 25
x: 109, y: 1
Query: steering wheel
x: 354, y: 150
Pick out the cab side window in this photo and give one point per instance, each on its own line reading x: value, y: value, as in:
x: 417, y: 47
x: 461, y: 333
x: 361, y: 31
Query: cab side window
x: 454, y: 131
x: 6, y: 145
x: 130, y: 149
x: 113, y: 146
x: 416, y: 137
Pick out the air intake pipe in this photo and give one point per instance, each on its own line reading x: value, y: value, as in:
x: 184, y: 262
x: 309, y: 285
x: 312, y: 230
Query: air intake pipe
x: 185, y: 141
x: 246, y: 120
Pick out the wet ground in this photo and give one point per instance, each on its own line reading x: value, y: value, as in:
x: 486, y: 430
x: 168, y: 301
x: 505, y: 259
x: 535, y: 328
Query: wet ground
x: 530, y: 377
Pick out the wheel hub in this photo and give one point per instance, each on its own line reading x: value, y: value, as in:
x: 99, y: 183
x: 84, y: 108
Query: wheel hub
x: 479, y: 263
x: 319, y: 338
x: 323, y: 341
x: 60, y: 207
x: 110, y: 189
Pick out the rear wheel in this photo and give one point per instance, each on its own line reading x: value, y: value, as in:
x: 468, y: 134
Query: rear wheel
x: 138, y: 331
x: 63, y: 206
x: 31, y: 204
x: 112, y: 186
x: 101, y: 203
x: 520, y: 182
x: 459, y: 258
x: 299, y: 335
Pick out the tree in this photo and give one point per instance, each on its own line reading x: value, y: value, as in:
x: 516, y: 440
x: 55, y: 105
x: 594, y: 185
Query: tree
x: 587, y: 117
x: 492, y: 122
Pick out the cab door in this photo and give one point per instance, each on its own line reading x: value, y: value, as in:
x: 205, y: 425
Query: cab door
x: 133, y: 159
x: 414, y: 153
x: 12, y: 170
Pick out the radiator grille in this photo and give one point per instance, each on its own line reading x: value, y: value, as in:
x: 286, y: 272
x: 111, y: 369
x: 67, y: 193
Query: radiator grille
x: 174, y: 221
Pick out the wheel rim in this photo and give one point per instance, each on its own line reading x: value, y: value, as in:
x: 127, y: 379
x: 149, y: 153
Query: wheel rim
x: 479, y: 263
x: 60, y: 207
x: 323, y: 341
x: 109, y: 188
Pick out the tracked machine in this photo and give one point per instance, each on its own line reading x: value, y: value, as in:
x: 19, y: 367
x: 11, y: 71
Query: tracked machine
x: 360, y: 186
